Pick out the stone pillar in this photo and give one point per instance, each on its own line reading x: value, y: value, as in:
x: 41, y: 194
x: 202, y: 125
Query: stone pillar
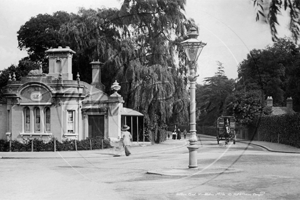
x: 23, y: 121
x: 114, y: 118
x: 42, y: 120
x: 86, y: 125
x: 76, y: 121
x: 289, y: 103
x: 31, y: 120
x: 115, y: 106
x: 8, y: 125
x: 270, y: 101
x: 80, y: 128
x: 63, y: 123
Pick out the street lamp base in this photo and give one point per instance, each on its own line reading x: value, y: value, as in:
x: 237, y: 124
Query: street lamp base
x: 193, y: 139
x: 193, y: 156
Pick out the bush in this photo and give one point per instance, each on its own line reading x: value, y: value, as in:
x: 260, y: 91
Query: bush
x: 287, y: 127
x: 96, y: 143
x: 40, y: 145
x: 4, y: 145
x: 84, y: 144
x: 18, y: 146
x: 67, y: 145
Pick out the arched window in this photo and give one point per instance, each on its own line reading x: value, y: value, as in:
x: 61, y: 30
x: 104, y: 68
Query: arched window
x: 47, y: 119
x: 37, y: 120
x: 27, y: 119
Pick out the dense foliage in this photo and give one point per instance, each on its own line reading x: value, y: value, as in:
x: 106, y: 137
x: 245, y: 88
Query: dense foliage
x: 269, y: 10
x: 274, y: 71
x: 21, y: 70
x: 211, y: 97
x: 41, y: 33
x: 283, y: 129
x: 40, y: 145
x: 138, y: 44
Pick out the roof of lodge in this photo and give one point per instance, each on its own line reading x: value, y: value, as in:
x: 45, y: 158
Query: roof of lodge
x: 130, y: 112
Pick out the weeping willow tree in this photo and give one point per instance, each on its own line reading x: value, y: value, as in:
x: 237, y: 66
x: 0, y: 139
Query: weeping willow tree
x: 269, y: 10
x: 138, y: 45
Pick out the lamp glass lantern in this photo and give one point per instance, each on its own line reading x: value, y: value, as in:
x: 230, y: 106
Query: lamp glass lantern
x: 192, y: 46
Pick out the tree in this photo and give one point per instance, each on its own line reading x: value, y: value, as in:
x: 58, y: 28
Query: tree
x: 136, y: 45
x: 21, y: 70
x: 151, y: 25
x: 268, y: 10
x: 212, y: 95
x: 245, y: 106
x: 92, y: 36
x: 41, y: 33
x: 273, y: 71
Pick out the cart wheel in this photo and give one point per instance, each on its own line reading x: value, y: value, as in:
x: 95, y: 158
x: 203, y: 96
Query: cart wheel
x: 227, y: 140
x: 233, y: 141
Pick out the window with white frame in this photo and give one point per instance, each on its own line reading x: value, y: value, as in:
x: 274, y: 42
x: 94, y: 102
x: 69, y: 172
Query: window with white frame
x: 47, y: 119
x: 37, y: 119
x: 26, y: 119
x: 71, y: 121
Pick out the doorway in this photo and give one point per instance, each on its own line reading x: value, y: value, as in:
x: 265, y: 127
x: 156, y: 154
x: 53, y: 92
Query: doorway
x: 96, y: 126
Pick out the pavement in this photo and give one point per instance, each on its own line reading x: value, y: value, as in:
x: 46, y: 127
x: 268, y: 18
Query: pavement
x: 143, y: 148
x: 269, y: 146
x: 273, y: 147
x: 189, y: 172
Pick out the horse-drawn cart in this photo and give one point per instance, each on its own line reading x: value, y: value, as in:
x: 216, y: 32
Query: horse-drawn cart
x: 226, y: 129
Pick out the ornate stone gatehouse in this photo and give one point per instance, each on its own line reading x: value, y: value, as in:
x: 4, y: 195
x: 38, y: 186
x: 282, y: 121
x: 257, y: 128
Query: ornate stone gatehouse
x: 54, y: 105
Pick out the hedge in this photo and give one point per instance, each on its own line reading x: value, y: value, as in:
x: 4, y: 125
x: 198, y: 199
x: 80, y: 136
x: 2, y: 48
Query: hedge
x: 284, y: 129
x: 207, y: 130
x: 40, y: 145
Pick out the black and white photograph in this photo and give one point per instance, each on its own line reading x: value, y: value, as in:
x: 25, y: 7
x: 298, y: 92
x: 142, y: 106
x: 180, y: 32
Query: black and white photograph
x: 149, y: 99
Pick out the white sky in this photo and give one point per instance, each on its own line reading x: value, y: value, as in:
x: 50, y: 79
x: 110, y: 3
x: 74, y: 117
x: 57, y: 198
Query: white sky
x: 227, y: 26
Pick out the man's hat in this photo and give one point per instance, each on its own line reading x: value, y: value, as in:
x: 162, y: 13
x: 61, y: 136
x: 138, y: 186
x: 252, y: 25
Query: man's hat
x: 125, y: 128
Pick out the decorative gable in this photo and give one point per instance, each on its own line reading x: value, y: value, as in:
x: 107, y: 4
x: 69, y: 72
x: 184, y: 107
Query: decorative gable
x: 34, y: 94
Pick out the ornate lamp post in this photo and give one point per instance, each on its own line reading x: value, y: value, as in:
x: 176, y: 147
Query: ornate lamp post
x: 193, y: 48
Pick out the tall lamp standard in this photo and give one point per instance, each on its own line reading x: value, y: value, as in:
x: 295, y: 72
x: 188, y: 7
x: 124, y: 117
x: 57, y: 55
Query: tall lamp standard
x: 192, y: 48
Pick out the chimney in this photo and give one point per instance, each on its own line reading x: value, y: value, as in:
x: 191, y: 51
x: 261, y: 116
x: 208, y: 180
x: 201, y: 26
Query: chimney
x: 60, y: 62
x: 96, y: 74
x: 270, y: 101
x: 289, y: 103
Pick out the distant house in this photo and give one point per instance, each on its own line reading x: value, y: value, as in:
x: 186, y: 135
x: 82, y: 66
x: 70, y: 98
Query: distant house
x: 250, y: 133
x: 281, y: 110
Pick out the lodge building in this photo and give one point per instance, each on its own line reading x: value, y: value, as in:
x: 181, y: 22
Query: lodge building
x: 54, y: 105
